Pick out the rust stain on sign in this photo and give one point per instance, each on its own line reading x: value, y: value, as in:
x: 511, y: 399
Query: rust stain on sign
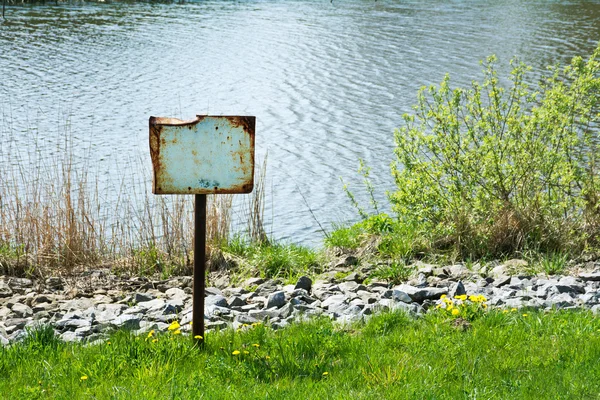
x: 207, y: 155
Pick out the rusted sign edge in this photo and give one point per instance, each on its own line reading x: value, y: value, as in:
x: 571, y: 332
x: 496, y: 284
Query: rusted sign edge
x: 247, y: 123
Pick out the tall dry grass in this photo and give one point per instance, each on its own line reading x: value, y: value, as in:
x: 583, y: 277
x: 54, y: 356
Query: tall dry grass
x: 58, y: 217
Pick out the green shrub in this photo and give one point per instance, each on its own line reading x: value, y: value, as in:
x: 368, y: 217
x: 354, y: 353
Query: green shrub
x: 491, y: 171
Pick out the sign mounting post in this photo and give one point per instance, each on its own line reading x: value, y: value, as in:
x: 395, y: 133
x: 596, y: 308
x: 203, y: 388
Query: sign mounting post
x: 207, y: 155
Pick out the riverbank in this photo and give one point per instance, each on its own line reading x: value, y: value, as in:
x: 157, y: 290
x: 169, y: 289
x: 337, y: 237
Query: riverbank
x: 89, y: 306
x: 498, y: 355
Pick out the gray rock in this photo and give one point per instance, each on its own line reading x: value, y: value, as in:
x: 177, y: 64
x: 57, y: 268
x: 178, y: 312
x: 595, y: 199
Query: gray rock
x: 421, y: 294
x: 218, y: 325
x: 72, y: 324
x: 391, y: 305
x: 458, y: 290
x: 304, y: 282
x: 236, y: 301
x: 266, y: 288
x: 276, y: 299
x: 348, y: 287
x: 216, y: 300
x: 399, y: 295
x: 587, y: 277
x: 142, y: 297
x: 151, y: 305
x: 77, y: 304
x: 562, y: 288
x: 127, y: 321
x: 213, y: 291
x: 286, y: 310
x: 501, y: 280
x: 354, y: 277
x: 5, y: 312
x: 174, y: 305
x: 335, y: 299
x: 253, y: 282
x: 55, y: 283
x: 175, y: 293
x: 562, y: 300
x: 70, y: 336
x: 22, y: 311
x: 513, y: 303
x: 5, y: 290
x: 458, y: 271
x: 263, y: 314
x: 4, y: 340
x: 246, y: 319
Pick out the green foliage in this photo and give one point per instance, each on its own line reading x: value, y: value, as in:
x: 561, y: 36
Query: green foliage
x: 273, y: 260
x: 512, y: 355
x: 365, y: 172
x: 347, y: 237
x: 394, y: 272
x: 491, y: 171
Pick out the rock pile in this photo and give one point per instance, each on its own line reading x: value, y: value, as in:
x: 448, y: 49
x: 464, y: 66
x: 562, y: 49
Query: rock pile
x: 88, y: 307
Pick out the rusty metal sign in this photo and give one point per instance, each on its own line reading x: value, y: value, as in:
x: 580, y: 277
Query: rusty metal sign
x: 207, y: 155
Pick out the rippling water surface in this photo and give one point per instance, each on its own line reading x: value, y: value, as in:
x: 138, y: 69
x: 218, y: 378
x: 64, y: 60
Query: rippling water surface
x: 328, y: 82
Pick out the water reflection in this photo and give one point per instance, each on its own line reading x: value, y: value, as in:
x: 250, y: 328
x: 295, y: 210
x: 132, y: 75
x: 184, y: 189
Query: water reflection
x: 328, y: 82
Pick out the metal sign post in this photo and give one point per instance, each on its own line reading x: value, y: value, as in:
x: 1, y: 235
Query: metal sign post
x: 208, y: 155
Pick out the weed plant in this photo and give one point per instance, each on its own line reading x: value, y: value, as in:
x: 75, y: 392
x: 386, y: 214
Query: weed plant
x: 56, y: 219
x: 271, y: 260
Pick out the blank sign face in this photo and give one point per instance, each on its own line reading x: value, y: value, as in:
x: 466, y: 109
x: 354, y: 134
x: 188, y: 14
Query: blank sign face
x: 208, y: 155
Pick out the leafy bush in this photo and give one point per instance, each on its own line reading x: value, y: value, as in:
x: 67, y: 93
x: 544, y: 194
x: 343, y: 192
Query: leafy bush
x: 490, y: 171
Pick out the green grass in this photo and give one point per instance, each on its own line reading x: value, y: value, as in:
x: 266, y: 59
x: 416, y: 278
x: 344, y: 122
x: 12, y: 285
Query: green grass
x: 501, y: 356
x: 272, y: 259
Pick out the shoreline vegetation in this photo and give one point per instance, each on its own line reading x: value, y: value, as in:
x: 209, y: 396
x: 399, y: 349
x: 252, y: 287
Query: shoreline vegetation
x: 483, y: 174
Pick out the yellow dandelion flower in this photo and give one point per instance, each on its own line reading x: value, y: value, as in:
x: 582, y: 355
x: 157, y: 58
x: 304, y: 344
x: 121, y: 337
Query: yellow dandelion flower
x: 450, y: 307
x: 84, y: 378
x: 177, y: 332
x: 524, y: 315
x: 482, y: 298
x: 438, y: 306
x: 154, y: 340
x: 513, y: 310
x: 108, y: 342
x: 174, y: 326
x: 198, y: 337
x: 191, y: 322
x: 504, y: 311
x: 325, y: 373
x: 484, y: 305
x: 473, y: 298
x: 256, y: 345
x: 267, y: 357
x: 151, y: 333
x: 462, y: 297
x: 235, y: 352
x: 246, y: 352
x: 443, y: 296
x: 455, y: 312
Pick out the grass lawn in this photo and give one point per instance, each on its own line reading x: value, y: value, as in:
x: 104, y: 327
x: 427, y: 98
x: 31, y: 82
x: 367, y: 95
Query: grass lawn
x: 510, y: 355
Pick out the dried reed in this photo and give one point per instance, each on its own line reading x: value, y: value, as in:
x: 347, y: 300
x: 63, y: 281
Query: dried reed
x: 57, y: 217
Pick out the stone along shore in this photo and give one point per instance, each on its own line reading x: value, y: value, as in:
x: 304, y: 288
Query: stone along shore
x: 88, y: 307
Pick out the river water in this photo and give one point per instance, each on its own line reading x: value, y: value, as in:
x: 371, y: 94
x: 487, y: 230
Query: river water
x: 327, y: 81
